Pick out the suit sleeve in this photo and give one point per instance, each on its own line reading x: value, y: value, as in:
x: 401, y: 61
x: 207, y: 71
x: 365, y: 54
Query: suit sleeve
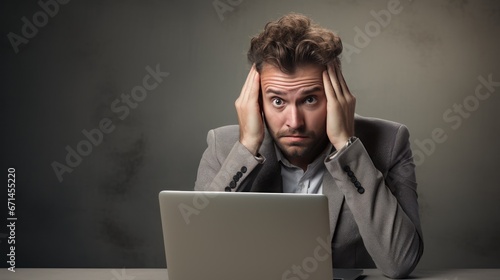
x: 385, y: 209
x: 220, y: 171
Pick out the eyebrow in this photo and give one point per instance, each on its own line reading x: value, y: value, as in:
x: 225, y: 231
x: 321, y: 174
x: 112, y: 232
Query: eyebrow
x: 304, y: 92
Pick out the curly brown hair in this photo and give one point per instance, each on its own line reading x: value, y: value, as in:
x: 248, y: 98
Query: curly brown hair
x: 294, y: 40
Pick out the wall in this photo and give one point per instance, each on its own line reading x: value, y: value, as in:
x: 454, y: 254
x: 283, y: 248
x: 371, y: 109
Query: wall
x: 64, y: 78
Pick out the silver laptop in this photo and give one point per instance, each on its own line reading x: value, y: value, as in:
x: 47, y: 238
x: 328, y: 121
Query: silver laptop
x: 219, y: 235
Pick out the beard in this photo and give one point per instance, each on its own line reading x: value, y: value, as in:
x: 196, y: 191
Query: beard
x: 306, y: 148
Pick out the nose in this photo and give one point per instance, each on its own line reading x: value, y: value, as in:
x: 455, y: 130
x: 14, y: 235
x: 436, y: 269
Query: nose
x: 294, y: 118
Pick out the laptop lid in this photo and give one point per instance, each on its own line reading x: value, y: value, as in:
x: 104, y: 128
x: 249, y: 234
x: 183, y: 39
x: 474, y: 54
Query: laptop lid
x: 219, y: 235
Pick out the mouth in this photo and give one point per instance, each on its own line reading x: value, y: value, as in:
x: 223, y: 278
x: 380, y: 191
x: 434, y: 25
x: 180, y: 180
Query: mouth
x: 294, y: 137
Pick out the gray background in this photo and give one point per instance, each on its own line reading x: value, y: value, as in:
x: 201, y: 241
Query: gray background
x: 105, y: 213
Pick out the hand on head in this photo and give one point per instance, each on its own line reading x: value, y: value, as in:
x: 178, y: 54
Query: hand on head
x: 341, y: 105
x: 339, y: 117
x: 250, y: 113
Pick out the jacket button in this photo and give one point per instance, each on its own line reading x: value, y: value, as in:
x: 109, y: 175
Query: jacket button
x: 244, y: 169
x: 347, y: 168
x: 232, y: 184
x: 361, y: 190
x: 236, y: 178
x: 239, y: 174
x: 227, y: 189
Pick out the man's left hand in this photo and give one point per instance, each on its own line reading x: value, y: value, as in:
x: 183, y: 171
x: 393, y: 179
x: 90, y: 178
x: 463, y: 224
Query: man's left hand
x: 340, y: 107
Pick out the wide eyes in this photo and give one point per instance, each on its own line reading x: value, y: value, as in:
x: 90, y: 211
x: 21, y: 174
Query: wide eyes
x: 277, y: 102
x: 308, y: 100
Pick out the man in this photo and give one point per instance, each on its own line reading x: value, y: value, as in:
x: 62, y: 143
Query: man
x: 298, y: 132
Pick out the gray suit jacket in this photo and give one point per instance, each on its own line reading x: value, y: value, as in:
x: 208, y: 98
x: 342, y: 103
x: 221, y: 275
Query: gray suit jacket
x: 378, y: 227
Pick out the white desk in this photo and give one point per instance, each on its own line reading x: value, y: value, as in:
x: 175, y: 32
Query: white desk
x: 161, y: 274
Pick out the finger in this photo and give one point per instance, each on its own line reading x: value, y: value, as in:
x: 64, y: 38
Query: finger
x: 332, y: 73
x: 327, y: 85
x: 348, y: 96
x: 248, y: 87
x: 250, y: 74
x: 254, y: 86
x: 350, y: 100
x: 345, y: 90
x: 249, y: 78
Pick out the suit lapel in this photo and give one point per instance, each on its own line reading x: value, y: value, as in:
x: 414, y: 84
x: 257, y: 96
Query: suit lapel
x: 335, y: 200
x: 269, y: 177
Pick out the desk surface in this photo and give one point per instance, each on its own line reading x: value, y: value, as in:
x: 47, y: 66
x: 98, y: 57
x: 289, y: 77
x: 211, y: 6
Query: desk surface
x: 161, y: 274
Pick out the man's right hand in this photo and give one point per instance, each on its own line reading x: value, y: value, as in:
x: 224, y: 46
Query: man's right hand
x: 250, y: 113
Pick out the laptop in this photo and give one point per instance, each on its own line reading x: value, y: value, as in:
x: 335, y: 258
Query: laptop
x: 246, y: 236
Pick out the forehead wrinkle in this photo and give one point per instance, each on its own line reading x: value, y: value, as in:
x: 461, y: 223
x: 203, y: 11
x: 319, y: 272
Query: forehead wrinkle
x: 298, y: 91
x: 269, y: 84
x: 303, y: 77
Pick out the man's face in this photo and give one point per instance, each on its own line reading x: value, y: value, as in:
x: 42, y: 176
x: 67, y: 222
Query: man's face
x: 294, y: 108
